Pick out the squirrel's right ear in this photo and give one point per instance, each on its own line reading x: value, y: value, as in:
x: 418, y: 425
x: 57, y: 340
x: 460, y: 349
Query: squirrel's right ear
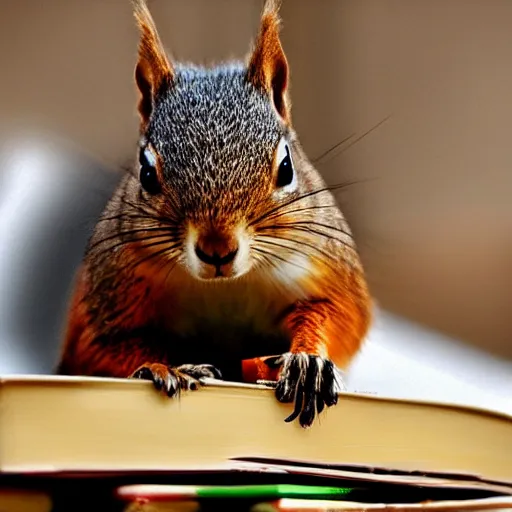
x: 268, y: 67
x: 153, y: 72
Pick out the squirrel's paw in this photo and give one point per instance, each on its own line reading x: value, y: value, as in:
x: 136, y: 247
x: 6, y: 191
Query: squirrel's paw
x: 173, y: 380
x: 312, y: 382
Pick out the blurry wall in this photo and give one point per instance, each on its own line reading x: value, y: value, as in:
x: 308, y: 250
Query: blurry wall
x: 432, y: 213
x: 50, y: 198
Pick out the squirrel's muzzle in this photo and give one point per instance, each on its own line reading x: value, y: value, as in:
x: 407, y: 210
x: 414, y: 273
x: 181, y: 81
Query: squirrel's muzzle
x: 218, y: 251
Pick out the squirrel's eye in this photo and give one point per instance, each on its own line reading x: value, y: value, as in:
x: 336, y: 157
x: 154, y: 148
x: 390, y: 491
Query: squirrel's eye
x: 285, y: 171
x: 148, y: 174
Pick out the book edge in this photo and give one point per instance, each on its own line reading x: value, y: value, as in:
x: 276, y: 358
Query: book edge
x: 213, y: 383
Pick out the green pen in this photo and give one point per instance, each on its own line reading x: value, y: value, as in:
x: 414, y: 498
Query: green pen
x: 265, y: 492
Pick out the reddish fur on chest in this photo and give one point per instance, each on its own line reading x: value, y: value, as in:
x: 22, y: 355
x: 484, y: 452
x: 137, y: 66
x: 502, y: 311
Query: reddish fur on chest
x: 328, y: 318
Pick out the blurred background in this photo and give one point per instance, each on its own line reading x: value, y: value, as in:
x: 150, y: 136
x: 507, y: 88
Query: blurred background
x: 431, y: 208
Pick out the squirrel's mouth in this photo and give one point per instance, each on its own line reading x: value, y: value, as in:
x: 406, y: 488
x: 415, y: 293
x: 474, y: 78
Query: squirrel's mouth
x: 215, y: 254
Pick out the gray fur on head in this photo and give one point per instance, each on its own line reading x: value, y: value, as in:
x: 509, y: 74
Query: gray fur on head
x: 214, y: 131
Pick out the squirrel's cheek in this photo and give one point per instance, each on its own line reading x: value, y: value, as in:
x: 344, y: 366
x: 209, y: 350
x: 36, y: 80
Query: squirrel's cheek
x: 191, y: 262
x: 295, y: 272
x: 243, y: 261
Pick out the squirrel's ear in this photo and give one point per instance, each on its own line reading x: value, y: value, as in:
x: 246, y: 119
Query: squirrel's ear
x: 268, y: 67
x: 153, y: 71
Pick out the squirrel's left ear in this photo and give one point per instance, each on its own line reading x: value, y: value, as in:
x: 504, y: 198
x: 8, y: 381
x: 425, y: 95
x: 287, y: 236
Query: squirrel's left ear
x: 268, y: 67
x: 154, y: 72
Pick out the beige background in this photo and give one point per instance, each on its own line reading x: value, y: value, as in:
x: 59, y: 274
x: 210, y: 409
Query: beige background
x: 434, y: 218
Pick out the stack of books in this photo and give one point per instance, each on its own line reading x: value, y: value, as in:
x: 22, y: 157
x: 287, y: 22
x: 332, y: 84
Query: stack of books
x: 72, y: 444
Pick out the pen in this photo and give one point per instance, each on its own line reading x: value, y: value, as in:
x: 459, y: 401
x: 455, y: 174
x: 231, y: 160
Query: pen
x: 180, y: 492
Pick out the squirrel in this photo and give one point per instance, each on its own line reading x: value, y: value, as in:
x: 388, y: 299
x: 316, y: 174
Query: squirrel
x: 222, y: 243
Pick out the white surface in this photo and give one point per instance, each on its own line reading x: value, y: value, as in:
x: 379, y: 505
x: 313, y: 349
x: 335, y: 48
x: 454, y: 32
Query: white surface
x: 404, y: 360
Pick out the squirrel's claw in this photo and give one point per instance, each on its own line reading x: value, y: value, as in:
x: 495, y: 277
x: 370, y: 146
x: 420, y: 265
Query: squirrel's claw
x: 165, y: 378
x: 173, y: 380
x: 199, y: 371
x: 311, y: 382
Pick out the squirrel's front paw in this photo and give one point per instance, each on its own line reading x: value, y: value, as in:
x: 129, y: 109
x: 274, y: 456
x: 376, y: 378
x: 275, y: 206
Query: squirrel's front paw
x: 312, y: 382
x: 172, y: 380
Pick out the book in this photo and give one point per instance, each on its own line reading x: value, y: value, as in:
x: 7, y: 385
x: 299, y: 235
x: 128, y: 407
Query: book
x: 167, y: 498
x: 24, y: 500
x: 297, y: 505
x: 292, y: 498
x: 54, y: 424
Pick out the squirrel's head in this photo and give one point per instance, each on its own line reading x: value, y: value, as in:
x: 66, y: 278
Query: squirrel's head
x: 218, y: 158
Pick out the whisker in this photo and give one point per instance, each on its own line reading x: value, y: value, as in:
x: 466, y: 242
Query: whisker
x: 157, y: 217
x: 298, y: 210
x: 278, y: 213
x: 329, y: 188
x: 266, y: 240
x: 137, y: 207
x: 283, y: 246
x: 120, y: 234
x: 169, y: 216
x: 263, y: 259
x: 319, y: 159
x: 165, y: 240
x: 287, y: 203
x: 271, y: 254
x: 128, y: 216
x: 326, y: 255
x: 365, y: 134
x: 305, y: 229
x: 347, y: 184
x: 134, y: 265
x: 307, y: 224
x: 326, y: 226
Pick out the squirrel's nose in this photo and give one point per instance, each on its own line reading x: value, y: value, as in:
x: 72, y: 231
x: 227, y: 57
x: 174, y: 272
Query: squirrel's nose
x: 216, y: 259
x: 216, y: 249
